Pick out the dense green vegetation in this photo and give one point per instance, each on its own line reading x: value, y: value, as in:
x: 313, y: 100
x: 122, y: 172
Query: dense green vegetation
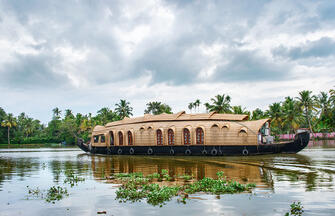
x: 316, y: 112
x: 135, y: 187
x: 296, y: 209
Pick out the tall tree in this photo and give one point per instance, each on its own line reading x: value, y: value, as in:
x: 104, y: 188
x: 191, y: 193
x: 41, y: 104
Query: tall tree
x: 106, y: 115
x: 56, y: 113
x: 275, y: 113
x: 123, y: 109
x: 197, y: 104
x: 69, y: 114
x: 220, y: 104
x: 257, y: 114
x: 164, y: 108
x: 307, y: 104
x: 240, y: 110
x: 2, y: 129
x: 153, y: 108
x: 157, y: 108
x: 9, y: 122
x: 291, y: 114
x: 190, y: 106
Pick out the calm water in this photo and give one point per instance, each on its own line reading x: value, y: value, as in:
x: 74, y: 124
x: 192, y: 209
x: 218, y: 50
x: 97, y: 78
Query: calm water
x: 281, y: 179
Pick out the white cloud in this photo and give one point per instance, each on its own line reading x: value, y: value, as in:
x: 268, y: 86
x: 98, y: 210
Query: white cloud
x: 83, y: 56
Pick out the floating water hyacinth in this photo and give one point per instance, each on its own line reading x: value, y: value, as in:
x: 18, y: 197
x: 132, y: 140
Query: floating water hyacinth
x: 134, y: 187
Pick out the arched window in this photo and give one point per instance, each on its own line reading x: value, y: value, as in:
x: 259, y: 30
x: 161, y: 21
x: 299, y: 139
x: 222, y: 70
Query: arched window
x: 130, y: 138
x: 120, y: 138
x: 102, y: 139
x: 187, y: 137
x: 225, y: 127
x: 200, y: 136
x: 243, y: 133
x: 112, y: 138
x: 159, y: 137
x: 171, y: 137
x: 96, y: 139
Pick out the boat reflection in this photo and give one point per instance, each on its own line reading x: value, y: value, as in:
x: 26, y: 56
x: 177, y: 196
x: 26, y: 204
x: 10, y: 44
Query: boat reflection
x: 263, y: 170
x: 198, y: 167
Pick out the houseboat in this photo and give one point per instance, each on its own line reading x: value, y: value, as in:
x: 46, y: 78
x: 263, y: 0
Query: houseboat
x: 208, y: 134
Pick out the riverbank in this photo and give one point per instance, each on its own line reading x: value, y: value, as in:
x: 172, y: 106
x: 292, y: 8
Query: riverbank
x: 32, y: 145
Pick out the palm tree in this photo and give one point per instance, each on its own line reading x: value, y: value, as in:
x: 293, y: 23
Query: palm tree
x: 157, y: 108
x: 164, y: 108
x: 123, y: 109
x: 239, y: 110
x: 56, y: 113
x: 257, y: 114
x: 307, y: 104
x: 291, y: 114
x: 106, y: 115
x: 103, y: 115
x: 9, y: 122
x: 29, y: 127
x: 220, y: 104
x: 275, y: 113
x: 324, y: 102
x: 332, y: 96
x: 153, y: 108
x: 68, y: 114
x: 190, y: 106
x: 197, y: 104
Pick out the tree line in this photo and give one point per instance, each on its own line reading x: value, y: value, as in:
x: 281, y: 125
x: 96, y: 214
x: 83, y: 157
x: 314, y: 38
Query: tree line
x: 316, y: 112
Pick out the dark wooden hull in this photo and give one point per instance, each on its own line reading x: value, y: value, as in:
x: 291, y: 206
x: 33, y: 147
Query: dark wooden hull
x: 300, y: 142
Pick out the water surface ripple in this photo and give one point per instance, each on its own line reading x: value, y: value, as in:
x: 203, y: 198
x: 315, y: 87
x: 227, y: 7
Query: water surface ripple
x: 281, y: 179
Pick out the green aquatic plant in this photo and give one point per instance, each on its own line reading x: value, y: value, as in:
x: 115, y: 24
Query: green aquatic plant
x: 216, y: 186
x: 135, y: 187
x: 154, y: 176
x: 296, y: 209
x: 220, y: 174
x: 72, y: 179
x: 127, y: 175
x: 165, y: 175
x: 186, y: 177
x: 34, y: 191
x: 56, y: 193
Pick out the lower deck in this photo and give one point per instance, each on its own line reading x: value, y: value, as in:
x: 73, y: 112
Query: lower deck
x: 300, y: 142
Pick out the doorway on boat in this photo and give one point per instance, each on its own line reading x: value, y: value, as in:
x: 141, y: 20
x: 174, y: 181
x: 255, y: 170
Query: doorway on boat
x: 111, y: 135
x: 120, y: 138
x: 199, y: 136
x: 187, y: 136
x: 159, y: 135
x: 170, y: 137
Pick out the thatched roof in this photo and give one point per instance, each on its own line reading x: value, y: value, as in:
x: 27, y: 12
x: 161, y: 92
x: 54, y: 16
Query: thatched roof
x: 180, y: 116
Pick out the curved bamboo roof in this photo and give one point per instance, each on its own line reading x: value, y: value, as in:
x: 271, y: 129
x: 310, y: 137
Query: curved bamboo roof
x: 252, y: 127
x: 180, y: 116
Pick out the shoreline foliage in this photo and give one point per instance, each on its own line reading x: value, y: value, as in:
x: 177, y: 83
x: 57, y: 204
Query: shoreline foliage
x: 307, y: 110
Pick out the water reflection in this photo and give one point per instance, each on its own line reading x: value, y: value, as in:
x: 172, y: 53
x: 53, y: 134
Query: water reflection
x: 321, y: 143
x: 198, y: 167
x: 311, y: 170
x: 262, y: 170
x: 280, y: 180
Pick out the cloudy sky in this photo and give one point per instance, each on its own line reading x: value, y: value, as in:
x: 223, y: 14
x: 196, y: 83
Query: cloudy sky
x: 85, y: 55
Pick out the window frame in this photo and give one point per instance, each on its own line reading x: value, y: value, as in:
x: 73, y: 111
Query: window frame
x: 188, y: 133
